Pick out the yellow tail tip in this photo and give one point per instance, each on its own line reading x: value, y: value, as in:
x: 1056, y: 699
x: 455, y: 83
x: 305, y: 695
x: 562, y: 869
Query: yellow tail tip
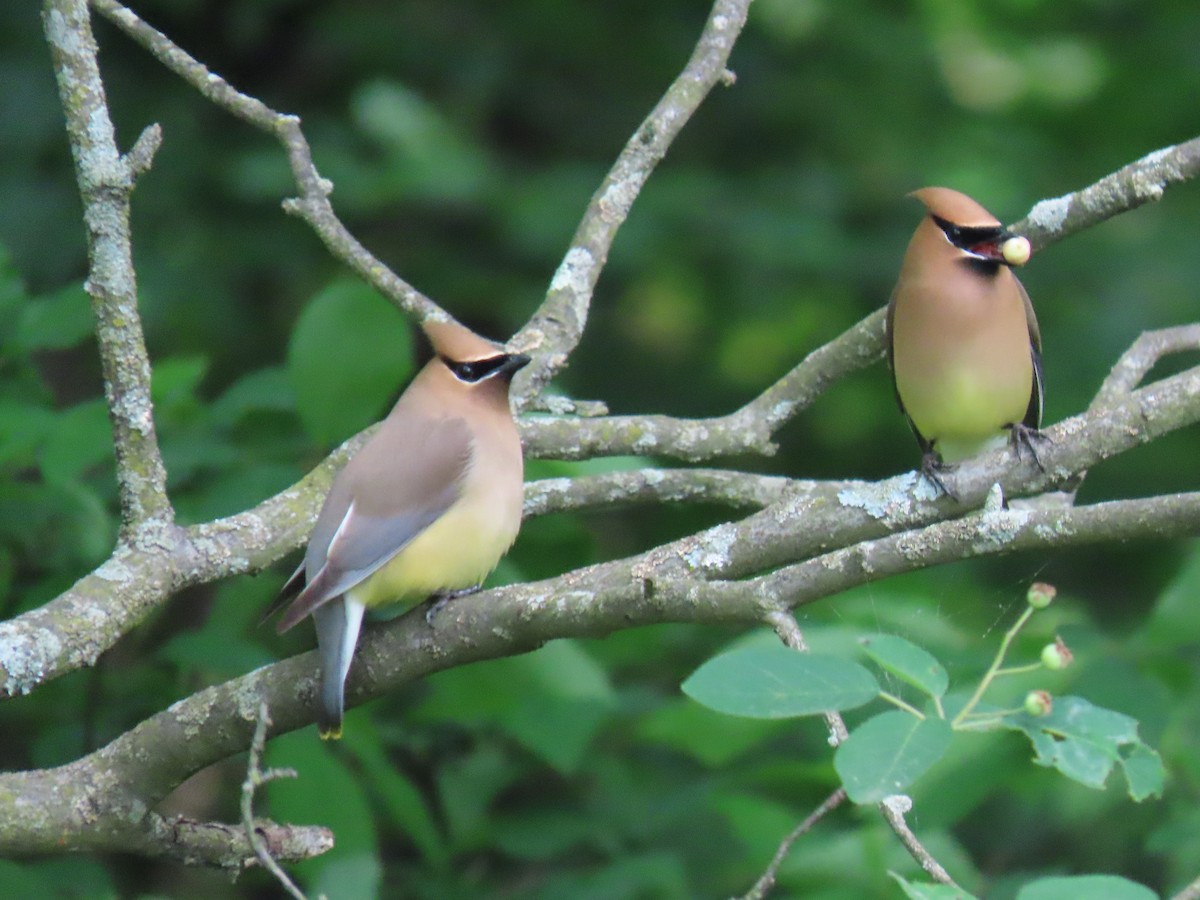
x: 331, y: 733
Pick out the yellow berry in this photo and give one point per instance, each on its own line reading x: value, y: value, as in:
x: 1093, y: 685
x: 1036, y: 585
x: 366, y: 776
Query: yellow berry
x: 1016, y: 251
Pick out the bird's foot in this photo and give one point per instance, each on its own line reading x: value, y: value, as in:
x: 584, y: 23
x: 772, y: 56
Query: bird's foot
x: 933, y: 469
x: 1024, y: 438
x: 437, y: 601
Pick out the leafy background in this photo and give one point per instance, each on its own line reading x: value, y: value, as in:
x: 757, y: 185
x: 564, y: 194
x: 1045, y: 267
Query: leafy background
x: 464, y: 139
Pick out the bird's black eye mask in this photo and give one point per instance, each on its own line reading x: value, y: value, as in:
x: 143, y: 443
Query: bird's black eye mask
x: 476, y: 370
x: 983, y: 242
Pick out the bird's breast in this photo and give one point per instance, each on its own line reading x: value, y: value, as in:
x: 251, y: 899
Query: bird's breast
x: 962, y: 359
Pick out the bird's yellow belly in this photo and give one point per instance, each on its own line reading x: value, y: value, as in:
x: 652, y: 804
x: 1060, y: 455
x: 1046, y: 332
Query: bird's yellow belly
x: 970, y: 406
x: 457, y: 551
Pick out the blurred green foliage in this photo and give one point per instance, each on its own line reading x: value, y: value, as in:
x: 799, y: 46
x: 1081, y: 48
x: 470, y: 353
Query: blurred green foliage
x: 464, y: 139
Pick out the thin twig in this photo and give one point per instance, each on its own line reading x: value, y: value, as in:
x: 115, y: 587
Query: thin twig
x: 1136, y: 362
x: 766, y: 882
x: 893, y: 810
x: 256, y: 777
x: 785, y: 625
x: 783, y: 621
x: 313, y: 203
x: 556, y: 327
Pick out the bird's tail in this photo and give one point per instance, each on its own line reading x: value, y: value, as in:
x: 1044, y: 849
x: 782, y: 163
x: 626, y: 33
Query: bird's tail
x: 338, y: 623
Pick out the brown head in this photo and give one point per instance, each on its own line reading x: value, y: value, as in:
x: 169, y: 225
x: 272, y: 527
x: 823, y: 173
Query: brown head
x: 967, y: 226
x: 474, y: 362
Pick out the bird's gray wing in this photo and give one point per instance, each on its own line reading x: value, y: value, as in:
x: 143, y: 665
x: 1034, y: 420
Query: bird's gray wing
x: 401, y: 482
x: 925, y: 445
x: 1033, y: 413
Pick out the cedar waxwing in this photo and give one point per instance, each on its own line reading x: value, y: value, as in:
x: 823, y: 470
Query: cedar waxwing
x: 963, y: 342
x: 427, y: 506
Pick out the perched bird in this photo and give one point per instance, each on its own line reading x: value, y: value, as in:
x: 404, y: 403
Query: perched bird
x: 963, y: 341
x: 427, y: 506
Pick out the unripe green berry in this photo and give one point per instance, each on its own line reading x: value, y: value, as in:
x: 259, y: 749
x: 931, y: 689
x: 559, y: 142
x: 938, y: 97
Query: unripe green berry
x: 1038, y: 703
x: 1057, y: 656
x: 1040, y: 594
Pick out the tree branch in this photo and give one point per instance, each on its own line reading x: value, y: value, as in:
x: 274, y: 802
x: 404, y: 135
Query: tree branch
x: 106, y: 181
x: 1127, y: 188
x: 555, y: 328
x: 73, y: 629
x: 101, y: 799
x: 614, y: 489
x: 1136, y: 362
x: 812, y: 539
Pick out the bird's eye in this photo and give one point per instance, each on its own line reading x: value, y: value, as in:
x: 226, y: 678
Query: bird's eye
x: 474, y: 370
x: 967, y: 237
x: 953, y: 232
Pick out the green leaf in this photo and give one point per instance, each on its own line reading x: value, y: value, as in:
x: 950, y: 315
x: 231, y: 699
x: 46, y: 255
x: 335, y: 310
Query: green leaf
x: 1084, y: 742
x: 427, y: 154
x: 1173, y: 622
x: 65, y: 876
x: 61, y: 526
x: 542, y: 834
x: 12, y: 292
x: 57, y: 321
x: 347, y: 357
x: 467, y: 787
x: 710, y: 737
x: 353, y: 877
x: 629, y: 877
x: 81, y: 438
x: 266, y: 390
x: 213, y: 652
x: 908, y: 662
x: 175, y: 381
x: 1144, y: 773
x: 22, y: 428
x: 777, y: 683
x: 927, y: 891
x: 887, y: 753
x: 1093, y: 887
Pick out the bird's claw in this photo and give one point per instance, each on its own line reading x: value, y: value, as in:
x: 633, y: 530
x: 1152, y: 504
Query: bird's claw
x: 1024, y: 438
x: 933, y: 469
x: 437, y: 601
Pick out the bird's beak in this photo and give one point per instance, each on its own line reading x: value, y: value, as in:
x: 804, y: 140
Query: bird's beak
x: 515, y: 363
